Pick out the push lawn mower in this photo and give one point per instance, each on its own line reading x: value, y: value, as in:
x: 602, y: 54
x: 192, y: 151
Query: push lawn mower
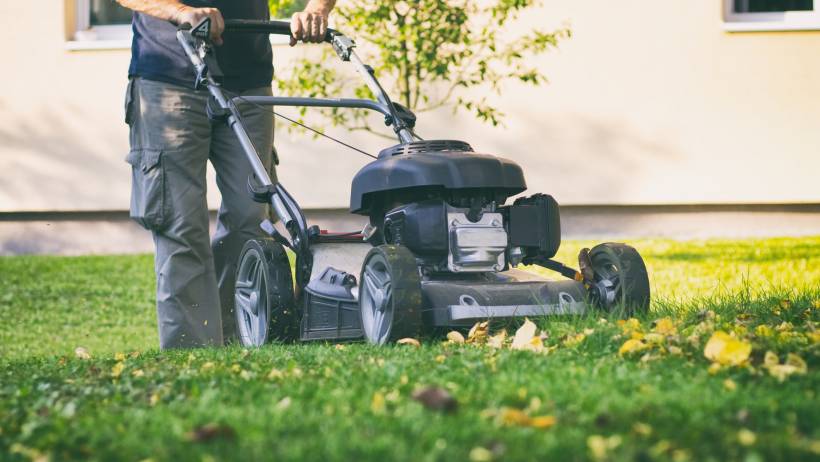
x: 441, y: 246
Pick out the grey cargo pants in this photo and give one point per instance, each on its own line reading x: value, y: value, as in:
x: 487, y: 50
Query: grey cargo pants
x: 171, y: 142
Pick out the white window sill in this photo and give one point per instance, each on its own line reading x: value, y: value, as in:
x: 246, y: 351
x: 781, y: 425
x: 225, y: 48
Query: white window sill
x: 769, y: 26
x: 88, y: 45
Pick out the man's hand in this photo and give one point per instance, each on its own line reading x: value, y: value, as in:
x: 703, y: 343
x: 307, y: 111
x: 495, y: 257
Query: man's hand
x: 193, y: 16
x: 311, y: 25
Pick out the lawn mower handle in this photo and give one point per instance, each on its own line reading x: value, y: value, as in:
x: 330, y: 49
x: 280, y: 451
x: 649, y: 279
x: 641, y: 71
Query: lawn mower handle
x: 260, y: 26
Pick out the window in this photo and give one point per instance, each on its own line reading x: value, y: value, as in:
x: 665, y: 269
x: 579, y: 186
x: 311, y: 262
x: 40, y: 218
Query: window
x: 102, y: 21
x: 771, y: 15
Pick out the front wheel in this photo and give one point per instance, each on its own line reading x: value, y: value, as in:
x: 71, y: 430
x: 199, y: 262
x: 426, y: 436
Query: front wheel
x: 620, y: 276
x: 264, y: 302
x: 390, y: 294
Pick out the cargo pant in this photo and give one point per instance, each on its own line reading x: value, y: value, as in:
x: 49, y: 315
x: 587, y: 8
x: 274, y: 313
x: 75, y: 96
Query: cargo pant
x: 171, y: 141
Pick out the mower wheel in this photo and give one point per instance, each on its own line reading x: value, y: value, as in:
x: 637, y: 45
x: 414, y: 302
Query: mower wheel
x: 390, y: 295
x: 622, y: 266
x: 264, y: 302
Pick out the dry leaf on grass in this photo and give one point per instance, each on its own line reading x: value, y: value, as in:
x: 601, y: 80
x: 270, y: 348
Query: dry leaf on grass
x: 497, y: 340
x: 632, y: 346
x: 478, y: 333
x: 516, y: 417
x: 436, y: 398
x: 724, y: 349
x: 523, y: 336
x: 409, y: 341
x: 794, y: 365
x: 455, y: 337
x: 210, y: 432
x: 82, y: 353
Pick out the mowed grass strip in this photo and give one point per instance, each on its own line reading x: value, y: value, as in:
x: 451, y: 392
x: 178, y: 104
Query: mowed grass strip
x: 353, y: 402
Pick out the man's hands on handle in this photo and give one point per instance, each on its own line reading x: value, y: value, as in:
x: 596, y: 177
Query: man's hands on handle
x: 310, y: 25
x: 193, y: 16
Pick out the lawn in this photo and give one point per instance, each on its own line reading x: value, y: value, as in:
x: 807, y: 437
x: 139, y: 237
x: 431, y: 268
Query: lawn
x: 590, y: 388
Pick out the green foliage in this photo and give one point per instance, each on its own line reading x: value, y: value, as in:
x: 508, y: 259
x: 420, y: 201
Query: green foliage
x: 285, y: 8
x: 430, y: 54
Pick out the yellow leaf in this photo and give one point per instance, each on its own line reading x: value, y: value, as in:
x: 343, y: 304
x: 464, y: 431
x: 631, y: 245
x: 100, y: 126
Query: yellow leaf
x: 207, y: 366
x: 116, y: 371
x: 654, y: 338
x: 642, y: 429
x: 377, y: 403
x: 574, y: 340
x: 409, y: 341
x: 339, y: 346
x: 138, y: 373
x: 480, y: 454
x: 599, y: 446
x: 478, y: 333
x: 497, y: 340
x: 236, y: 368
x: 665, y: 326
x: 523, y: 336
x: 543, y: 421
x: 119, y: 356
x: 814, y: 336
x: 727, y: 350
x: 746, y: 437
x: 785, y: 303
x: 631, y: 346
x: 763, y: 331
x: 440, y: 358
x: 714, y: 368
x: 82, y: 353
x: 512, y: 416
x: 455, y: 337
x: 770, y: 359
x: 784, y: 327
x: 730, y: 385
x: 816, y: 304
x: 275, y: 374
x: 673, y: 350
x: 797, y: 362
x: 154, y: 399
x: 794, y: 365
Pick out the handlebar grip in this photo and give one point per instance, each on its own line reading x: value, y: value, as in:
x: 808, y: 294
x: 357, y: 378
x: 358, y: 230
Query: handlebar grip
x: 258, y: 26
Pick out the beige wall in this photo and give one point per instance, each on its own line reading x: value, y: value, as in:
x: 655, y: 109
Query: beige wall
x: 649, y: 102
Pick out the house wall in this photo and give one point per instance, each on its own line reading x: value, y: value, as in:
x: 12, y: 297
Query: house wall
x: 648, y: 103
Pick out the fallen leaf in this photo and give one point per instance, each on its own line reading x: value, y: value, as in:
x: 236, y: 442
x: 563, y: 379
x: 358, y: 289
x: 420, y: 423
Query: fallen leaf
x: 283, y: 403
x: 440, y: 358
x: 665, y: 326
x: 763, y: 331
x: 138, y: 373
x: 116, y: 371
x: 275, y: 374
x: 632, y: 346
x: 339, y: 346
x: 436, y: 398
x: 654, y: 338
x: 543, y: 422
x: 746, y: 437
x: 207, y: 366
x: 497, y: 340
x: 480, y: 454
x: 599, y: 445
x: 455, y: 337
x: 523, y: 336
x: 409, y: 341
x: 574, y: 340
x: 794, y: 365
x: 377, y: 403
x: 119, y: 356
x: 210, y: 432
x: 478, y: 333
x: 730, y: 385
x: 82, y: 353
x: 513, y: 416
x: 727, y: 350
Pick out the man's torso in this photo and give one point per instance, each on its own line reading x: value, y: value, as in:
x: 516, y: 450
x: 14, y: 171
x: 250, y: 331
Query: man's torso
x: 245, y: 59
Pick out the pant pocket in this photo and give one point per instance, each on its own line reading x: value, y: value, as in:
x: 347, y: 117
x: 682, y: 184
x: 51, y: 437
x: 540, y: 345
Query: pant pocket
x: 148, y: 189
x: 129, y: 102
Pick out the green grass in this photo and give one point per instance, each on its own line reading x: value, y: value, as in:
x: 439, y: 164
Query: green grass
x: 353, y: 403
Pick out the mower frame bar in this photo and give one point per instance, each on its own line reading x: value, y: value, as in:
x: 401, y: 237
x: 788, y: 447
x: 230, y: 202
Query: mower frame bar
x: 300, y: 101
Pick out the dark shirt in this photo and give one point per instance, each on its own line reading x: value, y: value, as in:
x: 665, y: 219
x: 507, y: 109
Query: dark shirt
x: 245, y: 59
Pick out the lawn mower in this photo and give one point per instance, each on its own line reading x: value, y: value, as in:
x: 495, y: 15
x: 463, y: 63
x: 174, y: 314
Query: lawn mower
x: 441, y: 247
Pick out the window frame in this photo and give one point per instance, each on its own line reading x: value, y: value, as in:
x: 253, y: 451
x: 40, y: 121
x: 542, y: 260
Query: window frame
x: 88, y: 37
x: 770, y: 21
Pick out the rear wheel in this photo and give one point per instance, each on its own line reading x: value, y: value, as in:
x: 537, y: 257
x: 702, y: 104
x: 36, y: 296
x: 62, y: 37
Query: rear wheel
x: 264, y: 302
x: 620, y: 277
x: 390, y: 295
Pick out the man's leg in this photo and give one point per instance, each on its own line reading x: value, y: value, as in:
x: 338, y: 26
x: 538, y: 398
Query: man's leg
x: 170, y: 141
x: 239, y: 216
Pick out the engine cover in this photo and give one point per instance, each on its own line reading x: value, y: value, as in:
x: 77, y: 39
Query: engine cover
x: 476, y: 246
x: 448, y: 165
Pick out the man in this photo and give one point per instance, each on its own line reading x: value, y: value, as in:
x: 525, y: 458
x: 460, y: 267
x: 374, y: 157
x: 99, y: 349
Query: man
x: 171, y: 141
